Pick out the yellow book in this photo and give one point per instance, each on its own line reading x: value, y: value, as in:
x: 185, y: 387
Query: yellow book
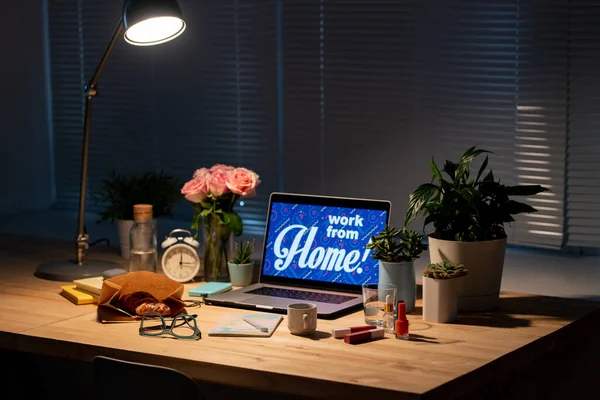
x: 90, y: 285
x: 76, y: 296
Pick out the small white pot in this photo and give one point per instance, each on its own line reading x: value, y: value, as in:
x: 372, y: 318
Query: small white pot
x: 440, y: 299
x: 124, y: 229
x: 240, y: 274
x: 484, y: 260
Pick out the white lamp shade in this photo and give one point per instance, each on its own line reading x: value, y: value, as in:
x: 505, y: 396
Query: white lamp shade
x: 155, y: 31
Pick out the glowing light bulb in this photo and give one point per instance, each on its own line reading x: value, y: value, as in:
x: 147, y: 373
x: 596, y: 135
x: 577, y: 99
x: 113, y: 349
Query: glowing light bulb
x: 154, y: 31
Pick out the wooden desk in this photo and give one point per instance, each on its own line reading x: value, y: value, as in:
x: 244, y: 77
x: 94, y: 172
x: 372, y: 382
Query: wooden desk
x: 481, y: 353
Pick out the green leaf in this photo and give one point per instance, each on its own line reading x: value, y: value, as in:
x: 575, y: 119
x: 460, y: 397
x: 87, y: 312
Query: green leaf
x: 436, y: 172
x: 489, y: 177
x: 450, y: 168
x: 206, y: 212
x: 482, y: 168
x: 234, y: 221
x: 464, y: 165
x: 417, y: 199
x: 524, y: 190
x: 514, y: 207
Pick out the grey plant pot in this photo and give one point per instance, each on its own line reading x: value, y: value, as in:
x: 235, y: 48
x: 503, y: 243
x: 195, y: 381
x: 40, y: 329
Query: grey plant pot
x: 240, y: 274
x: 401, y: 274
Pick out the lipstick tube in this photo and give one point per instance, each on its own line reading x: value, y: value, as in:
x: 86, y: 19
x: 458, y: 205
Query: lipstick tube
x: 339, y: 333
x: 365, y: 336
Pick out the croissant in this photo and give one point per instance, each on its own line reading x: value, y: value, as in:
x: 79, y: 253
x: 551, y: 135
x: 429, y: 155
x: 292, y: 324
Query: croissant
x: 141, y: 302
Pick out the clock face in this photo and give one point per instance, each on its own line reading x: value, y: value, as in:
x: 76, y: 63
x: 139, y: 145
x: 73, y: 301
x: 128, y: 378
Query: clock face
x: 180, y: 262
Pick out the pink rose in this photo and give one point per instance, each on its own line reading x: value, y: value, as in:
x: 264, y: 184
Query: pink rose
x: 221, y: 167
x: 218, y: 182
x: 195, y: 190
x: 243, y: 182
x: 202, y: 173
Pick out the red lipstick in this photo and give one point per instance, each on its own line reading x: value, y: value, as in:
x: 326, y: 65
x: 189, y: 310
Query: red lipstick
x: 339, y: 333
x: 401, y: 322
x: 365, y: 336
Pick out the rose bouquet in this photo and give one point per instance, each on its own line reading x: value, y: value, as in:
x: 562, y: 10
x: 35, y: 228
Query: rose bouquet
x: 214, y: 192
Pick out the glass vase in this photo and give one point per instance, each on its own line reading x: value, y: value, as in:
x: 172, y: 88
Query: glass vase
x: 218, y: 248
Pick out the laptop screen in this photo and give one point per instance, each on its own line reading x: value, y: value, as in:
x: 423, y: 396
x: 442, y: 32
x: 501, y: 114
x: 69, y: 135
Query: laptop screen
x: 321, y: 241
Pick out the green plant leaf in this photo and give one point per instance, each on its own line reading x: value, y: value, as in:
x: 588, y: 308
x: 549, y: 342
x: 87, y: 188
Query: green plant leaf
x: 436, y: 172
x: 450, y: 168
x: 489, y: 177
x: 234, y: 221
x: 524, y: 190
x: 464, y: 165
x: 515, y: 207
x: 482, y: 168
x: 417, y: 199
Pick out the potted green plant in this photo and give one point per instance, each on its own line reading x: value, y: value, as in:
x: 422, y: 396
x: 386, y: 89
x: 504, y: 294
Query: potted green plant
x: 241, y: 268
x: 468, y: 214
x: 120, y: 192
x: 440, y: 291
x: 396, y: 250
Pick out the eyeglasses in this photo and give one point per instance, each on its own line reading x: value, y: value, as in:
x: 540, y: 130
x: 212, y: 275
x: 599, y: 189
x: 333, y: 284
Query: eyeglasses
x: 183, y: 326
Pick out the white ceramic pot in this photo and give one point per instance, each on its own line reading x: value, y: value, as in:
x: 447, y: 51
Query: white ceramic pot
x: 440, y: 299
x: 480, y: 289
x: 240, y: 274
x: 124, y: 229
x: 401, y: 274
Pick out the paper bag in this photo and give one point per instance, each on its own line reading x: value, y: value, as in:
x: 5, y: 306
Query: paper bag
x: 163, y: 289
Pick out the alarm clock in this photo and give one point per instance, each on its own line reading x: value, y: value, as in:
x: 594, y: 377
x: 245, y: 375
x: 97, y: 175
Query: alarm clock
x: 180, y: 260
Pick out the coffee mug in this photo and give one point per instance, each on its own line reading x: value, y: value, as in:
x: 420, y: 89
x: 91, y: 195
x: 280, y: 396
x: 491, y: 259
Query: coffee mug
x: 302, y: 318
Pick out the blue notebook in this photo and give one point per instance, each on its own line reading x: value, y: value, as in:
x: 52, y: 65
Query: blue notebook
x: 209, y: 288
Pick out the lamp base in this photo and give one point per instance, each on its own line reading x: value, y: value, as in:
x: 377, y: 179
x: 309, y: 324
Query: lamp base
x: 68, y: 271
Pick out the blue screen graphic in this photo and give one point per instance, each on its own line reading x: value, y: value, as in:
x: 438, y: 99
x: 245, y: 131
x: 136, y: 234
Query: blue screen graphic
x: 322, y: 243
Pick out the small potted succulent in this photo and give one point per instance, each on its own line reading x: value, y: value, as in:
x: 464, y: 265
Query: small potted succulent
x: 440, y: 291
x: 241, y: 268
x: 396, y: 251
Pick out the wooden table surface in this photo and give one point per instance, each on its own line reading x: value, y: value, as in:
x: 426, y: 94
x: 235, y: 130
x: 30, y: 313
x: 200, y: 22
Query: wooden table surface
x: 440, y: 360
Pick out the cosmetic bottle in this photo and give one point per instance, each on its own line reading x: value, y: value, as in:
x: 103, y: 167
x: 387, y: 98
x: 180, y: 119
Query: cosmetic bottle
x: 401, y: 325
x: 388, y: 315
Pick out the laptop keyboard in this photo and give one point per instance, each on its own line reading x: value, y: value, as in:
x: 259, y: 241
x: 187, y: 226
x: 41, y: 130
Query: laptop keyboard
x: 301, y: 295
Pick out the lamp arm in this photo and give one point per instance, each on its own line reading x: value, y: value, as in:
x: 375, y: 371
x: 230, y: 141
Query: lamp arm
x: 90, y: 92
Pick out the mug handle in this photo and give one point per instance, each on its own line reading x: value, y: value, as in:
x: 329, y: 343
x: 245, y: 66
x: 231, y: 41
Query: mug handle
x: 305, y: 321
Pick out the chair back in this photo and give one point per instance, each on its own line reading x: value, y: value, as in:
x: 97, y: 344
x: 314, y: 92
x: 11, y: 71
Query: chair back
x: 116, y: 379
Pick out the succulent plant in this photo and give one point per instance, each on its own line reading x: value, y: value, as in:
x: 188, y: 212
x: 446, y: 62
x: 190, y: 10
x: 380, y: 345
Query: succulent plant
x: 445, y: 270
x: 243, y: 252
x: 396, y: 245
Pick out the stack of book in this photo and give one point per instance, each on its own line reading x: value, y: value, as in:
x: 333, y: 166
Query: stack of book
x: 83, y: 291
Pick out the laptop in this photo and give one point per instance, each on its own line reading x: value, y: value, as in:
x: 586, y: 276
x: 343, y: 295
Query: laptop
x: 314, y: 251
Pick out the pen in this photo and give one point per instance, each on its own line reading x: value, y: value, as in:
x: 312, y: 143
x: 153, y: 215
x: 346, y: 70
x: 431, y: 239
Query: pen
x: 257, y: 326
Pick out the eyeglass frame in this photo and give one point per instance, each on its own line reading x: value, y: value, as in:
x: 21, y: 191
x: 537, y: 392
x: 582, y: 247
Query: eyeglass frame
x: 186, y: 318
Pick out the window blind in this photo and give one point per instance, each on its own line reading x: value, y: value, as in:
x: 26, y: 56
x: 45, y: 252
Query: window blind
x: 583, y: 164
x: 373, y: 90
x: 351, y: 97
x: 348, y: 95
x: 202, y: 99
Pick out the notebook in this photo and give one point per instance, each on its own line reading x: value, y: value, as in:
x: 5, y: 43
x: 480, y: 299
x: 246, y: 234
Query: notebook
x: 234, y: 325
x: 210, y: 289
x: 314, y: 251
x: 91, y: 285
x: 76, y: 296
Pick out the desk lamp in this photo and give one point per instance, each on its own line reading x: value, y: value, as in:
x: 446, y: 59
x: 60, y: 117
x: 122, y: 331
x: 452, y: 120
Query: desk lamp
x: 146, y: 23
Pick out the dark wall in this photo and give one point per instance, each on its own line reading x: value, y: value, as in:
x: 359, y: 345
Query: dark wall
x: 25, y: 145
